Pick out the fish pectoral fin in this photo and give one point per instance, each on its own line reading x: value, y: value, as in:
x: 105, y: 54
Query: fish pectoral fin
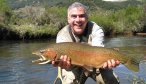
x: 88, y: 68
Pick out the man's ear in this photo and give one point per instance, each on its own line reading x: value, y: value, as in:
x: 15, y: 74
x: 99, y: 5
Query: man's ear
x: 68, y: 19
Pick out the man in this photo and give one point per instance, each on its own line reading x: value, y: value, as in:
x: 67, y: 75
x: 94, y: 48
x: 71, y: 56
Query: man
x: 79, y: 29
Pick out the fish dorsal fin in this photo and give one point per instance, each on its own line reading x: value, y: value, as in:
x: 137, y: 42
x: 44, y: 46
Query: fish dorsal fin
x: 117, y: 49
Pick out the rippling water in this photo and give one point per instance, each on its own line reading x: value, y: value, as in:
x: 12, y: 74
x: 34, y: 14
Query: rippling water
x: 16, y: 66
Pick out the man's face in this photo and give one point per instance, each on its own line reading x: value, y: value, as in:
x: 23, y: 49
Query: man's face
x: 77, y: 19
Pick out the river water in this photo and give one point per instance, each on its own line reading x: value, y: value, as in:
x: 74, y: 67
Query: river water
x: 16, y: 66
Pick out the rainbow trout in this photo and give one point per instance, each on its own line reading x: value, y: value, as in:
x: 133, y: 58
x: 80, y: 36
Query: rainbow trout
x: 85, y: 55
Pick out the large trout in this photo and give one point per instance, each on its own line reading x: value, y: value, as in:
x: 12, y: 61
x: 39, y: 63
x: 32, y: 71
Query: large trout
x: 85, y: 55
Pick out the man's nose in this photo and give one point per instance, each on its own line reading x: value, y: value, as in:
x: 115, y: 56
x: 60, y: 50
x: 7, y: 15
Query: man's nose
x: 78, y: 18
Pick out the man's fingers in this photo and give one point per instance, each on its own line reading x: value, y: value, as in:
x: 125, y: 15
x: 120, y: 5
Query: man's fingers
x: 64, y: 58
x: 104, y: 65
x: 54, y: 64
x: 68, y: 63
x: 65, y: 62
x: 117, y: 62
x: 61, y: 57
x: 111, y: 64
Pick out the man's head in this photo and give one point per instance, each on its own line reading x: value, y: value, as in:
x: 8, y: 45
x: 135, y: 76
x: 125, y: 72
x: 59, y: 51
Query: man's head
x: 77, y: 17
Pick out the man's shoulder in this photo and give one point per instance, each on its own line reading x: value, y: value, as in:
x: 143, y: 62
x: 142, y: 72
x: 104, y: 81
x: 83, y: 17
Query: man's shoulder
x: 94, y: 26
x: 64, y: 35
x: 64, y: 30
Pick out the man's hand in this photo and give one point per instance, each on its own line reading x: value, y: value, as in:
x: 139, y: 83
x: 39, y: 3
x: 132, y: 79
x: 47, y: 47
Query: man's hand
x: 111, y: 64
x: 65, y: 62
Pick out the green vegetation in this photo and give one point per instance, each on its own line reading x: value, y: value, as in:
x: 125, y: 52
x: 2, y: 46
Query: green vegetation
x: 40, y: 23
x: 43, y: 21
x: 5, y: 12
x: 123, y: 21
x: 3, y: 6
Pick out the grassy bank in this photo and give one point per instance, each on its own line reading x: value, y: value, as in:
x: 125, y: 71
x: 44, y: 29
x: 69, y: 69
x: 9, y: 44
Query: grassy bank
x: 123, y: 21
x: 35, y: 22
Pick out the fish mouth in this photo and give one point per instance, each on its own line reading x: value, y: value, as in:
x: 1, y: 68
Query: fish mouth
x: 41, y: 60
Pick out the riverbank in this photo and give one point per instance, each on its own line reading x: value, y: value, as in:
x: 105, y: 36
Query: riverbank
x: 41, y: 22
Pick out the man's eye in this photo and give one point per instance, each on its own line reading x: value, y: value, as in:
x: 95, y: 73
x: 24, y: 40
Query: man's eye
x: 82, y: 16
x: 73, y: 16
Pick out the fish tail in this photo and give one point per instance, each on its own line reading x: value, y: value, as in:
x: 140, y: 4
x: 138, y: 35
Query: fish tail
x: 144, y: 59
x: 59, y: 80
x: 132, y: 64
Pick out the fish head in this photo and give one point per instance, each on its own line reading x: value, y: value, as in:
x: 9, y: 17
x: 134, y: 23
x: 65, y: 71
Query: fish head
x: 45, y: 56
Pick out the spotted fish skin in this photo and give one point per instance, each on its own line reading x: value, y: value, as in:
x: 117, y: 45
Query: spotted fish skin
x: 84, y: 55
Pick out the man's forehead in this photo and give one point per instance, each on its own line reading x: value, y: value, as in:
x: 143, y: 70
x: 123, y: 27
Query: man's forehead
x: 78, y: 8
x: 76, y: 12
